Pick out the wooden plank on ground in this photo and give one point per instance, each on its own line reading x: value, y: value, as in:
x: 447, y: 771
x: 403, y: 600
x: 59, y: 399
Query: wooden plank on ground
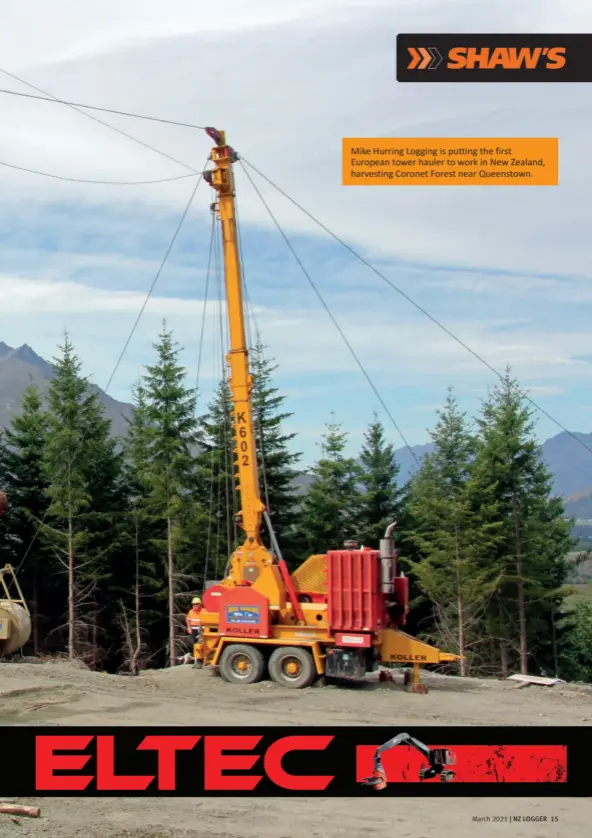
x: 536, y: 679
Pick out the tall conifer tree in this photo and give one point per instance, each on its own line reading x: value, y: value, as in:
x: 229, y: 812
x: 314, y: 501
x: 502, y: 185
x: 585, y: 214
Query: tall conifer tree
x: 530, y: 559
x: 330, y: 512
x: 171, y: 434
x: 380, y: 503
x: 25, y: 482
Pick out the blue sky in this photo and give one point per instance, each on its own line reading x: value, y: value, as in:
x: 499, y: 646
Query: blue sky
x: 506, y: 269
x: 101, y: 253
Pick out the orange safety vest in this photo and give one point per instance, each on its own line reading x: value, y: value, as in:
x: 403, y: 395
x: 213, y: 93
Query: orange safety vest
x: 194, y: 618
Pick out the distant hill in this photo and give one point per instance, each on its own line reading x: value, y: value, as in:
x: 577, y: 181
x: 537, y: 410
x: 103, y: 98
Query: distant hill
x: 406, y: 458
x: 570, y: 463
x: 579, y: 506
x: 22, y: 366
x: 583, y: 531
x: 567, y: 460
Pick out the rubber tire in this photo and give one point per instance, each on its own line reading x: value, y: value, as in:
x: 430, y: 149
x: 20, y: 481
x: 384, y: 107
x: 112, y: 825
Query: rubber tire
x: 252, y: 653
x: 305, y: 678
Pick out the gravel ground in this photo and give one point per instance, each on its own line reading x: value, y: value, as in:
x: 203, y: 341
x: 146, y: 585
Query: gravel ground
x: 61, y: 694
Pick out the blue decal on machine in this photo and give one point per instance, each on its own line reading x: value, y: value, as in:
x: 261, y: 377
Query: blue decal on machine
x: 243, y: 614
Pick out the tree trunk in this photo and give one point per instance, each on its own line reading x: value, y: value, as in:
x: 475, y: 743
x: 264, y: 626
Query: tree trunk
x: 521, y: 598
x: 460, y: 605
x: 71, y: 593
x: 94, y: 633
x: 554, y: 641
x: 35, y: 614
x: 504, y: 658
x: 136, y: 653
x: 503, y: 648
x: 492, y: 652
x: 171, y: 573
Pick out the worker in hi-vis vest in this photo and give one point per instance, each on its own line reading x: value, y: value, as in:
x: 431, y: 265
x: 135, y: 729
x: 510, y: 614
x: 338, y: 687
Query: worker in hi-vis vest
x: 193, y: 619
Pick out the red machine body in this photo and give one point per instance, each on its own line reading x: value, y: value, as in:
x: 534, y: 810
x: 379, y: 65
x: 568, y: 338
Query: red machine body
x: 358, y: 596
x: 354, y: 598
x: 402, y: 600
x: 244, y: 612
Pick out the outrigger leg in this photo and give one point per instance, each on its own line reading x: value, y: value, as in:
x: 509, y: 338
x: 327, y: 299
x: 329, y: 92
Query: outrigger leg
x: 413, y: 681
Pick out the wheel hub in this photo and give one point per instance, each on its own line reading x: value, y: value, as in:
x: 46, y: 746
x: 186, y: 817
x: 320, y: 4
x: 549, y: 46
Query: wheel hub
x: 291, y: 668
x: 241, y: 665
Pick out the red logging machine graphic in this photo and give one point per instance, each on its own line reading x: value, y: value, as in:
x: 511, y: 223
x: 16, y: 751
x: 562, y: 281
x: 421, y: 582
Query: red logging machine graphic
x: 438, y: 759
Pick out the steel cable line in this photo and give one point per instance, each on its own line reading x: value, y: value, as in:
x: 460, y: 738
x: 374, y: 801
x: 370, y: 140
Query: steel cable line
x: 230, y: 476
x: 127, y: 342
x: 203, y: 317
x: 334, y: 321
x: 56, y: 101
x: 221, y: 431
x: 227, y: 434
x: 226, y: 464
x: 415, y: 304
x: 102, y: 122
x: 100, y: 182
x: 212, y: 442
x: 337, y: 239
x: 155, y: 280
x: 333, y: 235
x: 250, y: 315
x: 197, y: 379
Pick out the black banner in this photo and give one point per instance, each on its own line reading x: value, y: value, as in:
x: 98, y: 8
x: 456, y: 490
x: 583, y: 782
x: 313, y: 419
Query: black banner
x: 296, y: 761
x: 494, y: 58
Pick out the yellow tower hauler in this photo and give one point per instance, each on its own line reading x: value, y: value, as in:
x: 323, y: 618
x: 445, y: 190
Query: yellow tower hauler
x: 339, y: 615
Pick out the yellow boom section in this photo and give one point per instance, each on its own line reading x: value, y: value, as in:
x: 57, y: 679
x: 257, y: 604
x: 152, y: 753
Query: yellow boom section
x: 249, y: 560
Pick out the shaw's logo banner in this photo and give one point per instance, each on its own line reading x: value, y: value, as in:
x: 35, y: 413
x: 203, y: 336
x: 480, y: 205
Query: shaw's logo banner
x: 494, y: 58
x: 294, y: 761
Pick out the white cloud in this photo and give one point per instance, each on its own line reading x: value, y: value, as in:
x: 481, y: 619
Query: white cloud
x: 304, y: 341
x: 22, y: 296
x: 249, y: 70
x: 544, y: 391
x: 514, y: 285
x: 429, y: 408
x: 287, y: 82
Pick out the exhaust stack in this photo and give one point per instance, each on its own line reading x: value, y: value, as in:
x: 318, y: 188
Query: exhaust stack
x: 387, y: 561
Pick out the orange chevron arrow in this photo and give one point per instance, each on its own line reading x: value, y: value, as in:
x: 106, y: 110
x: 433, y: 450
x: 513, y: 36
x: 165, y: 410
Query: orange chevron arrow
x: 427, y: 58
x: 415, y: 58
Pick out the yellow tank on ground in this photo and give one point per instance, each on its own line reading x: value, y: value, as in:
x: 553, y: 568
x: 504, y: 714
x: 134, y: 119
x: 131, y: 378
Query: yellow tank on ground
x: 15, y: 618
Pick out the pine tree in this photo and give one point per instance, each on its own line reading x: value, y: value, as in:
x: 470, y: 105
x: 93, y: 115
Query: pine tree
x: 217, y: 483
x: 66, y: 474
x: 219, y: 493
x: 83, y: 470
x: 277, y: 462
x: 137, y: 448
x: 450, y: 535
x: 171, y: 437
x: 25, y: 483
x: 549, y: 538
x: 575, y: 655
x: 530, y: 559
x: 330, y: 512
x: 140, y: 582
x: 381, y: 499
x: 104, y: 520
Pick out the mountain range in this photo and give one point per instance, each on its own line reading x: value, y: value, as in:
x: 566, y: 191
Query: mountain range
x: 22, y: 366
x: 567, y: 459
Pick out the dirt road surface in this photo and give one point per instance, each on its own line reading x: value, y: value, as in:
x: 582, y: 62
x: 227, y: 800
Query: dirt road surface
x: 61, y: 694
